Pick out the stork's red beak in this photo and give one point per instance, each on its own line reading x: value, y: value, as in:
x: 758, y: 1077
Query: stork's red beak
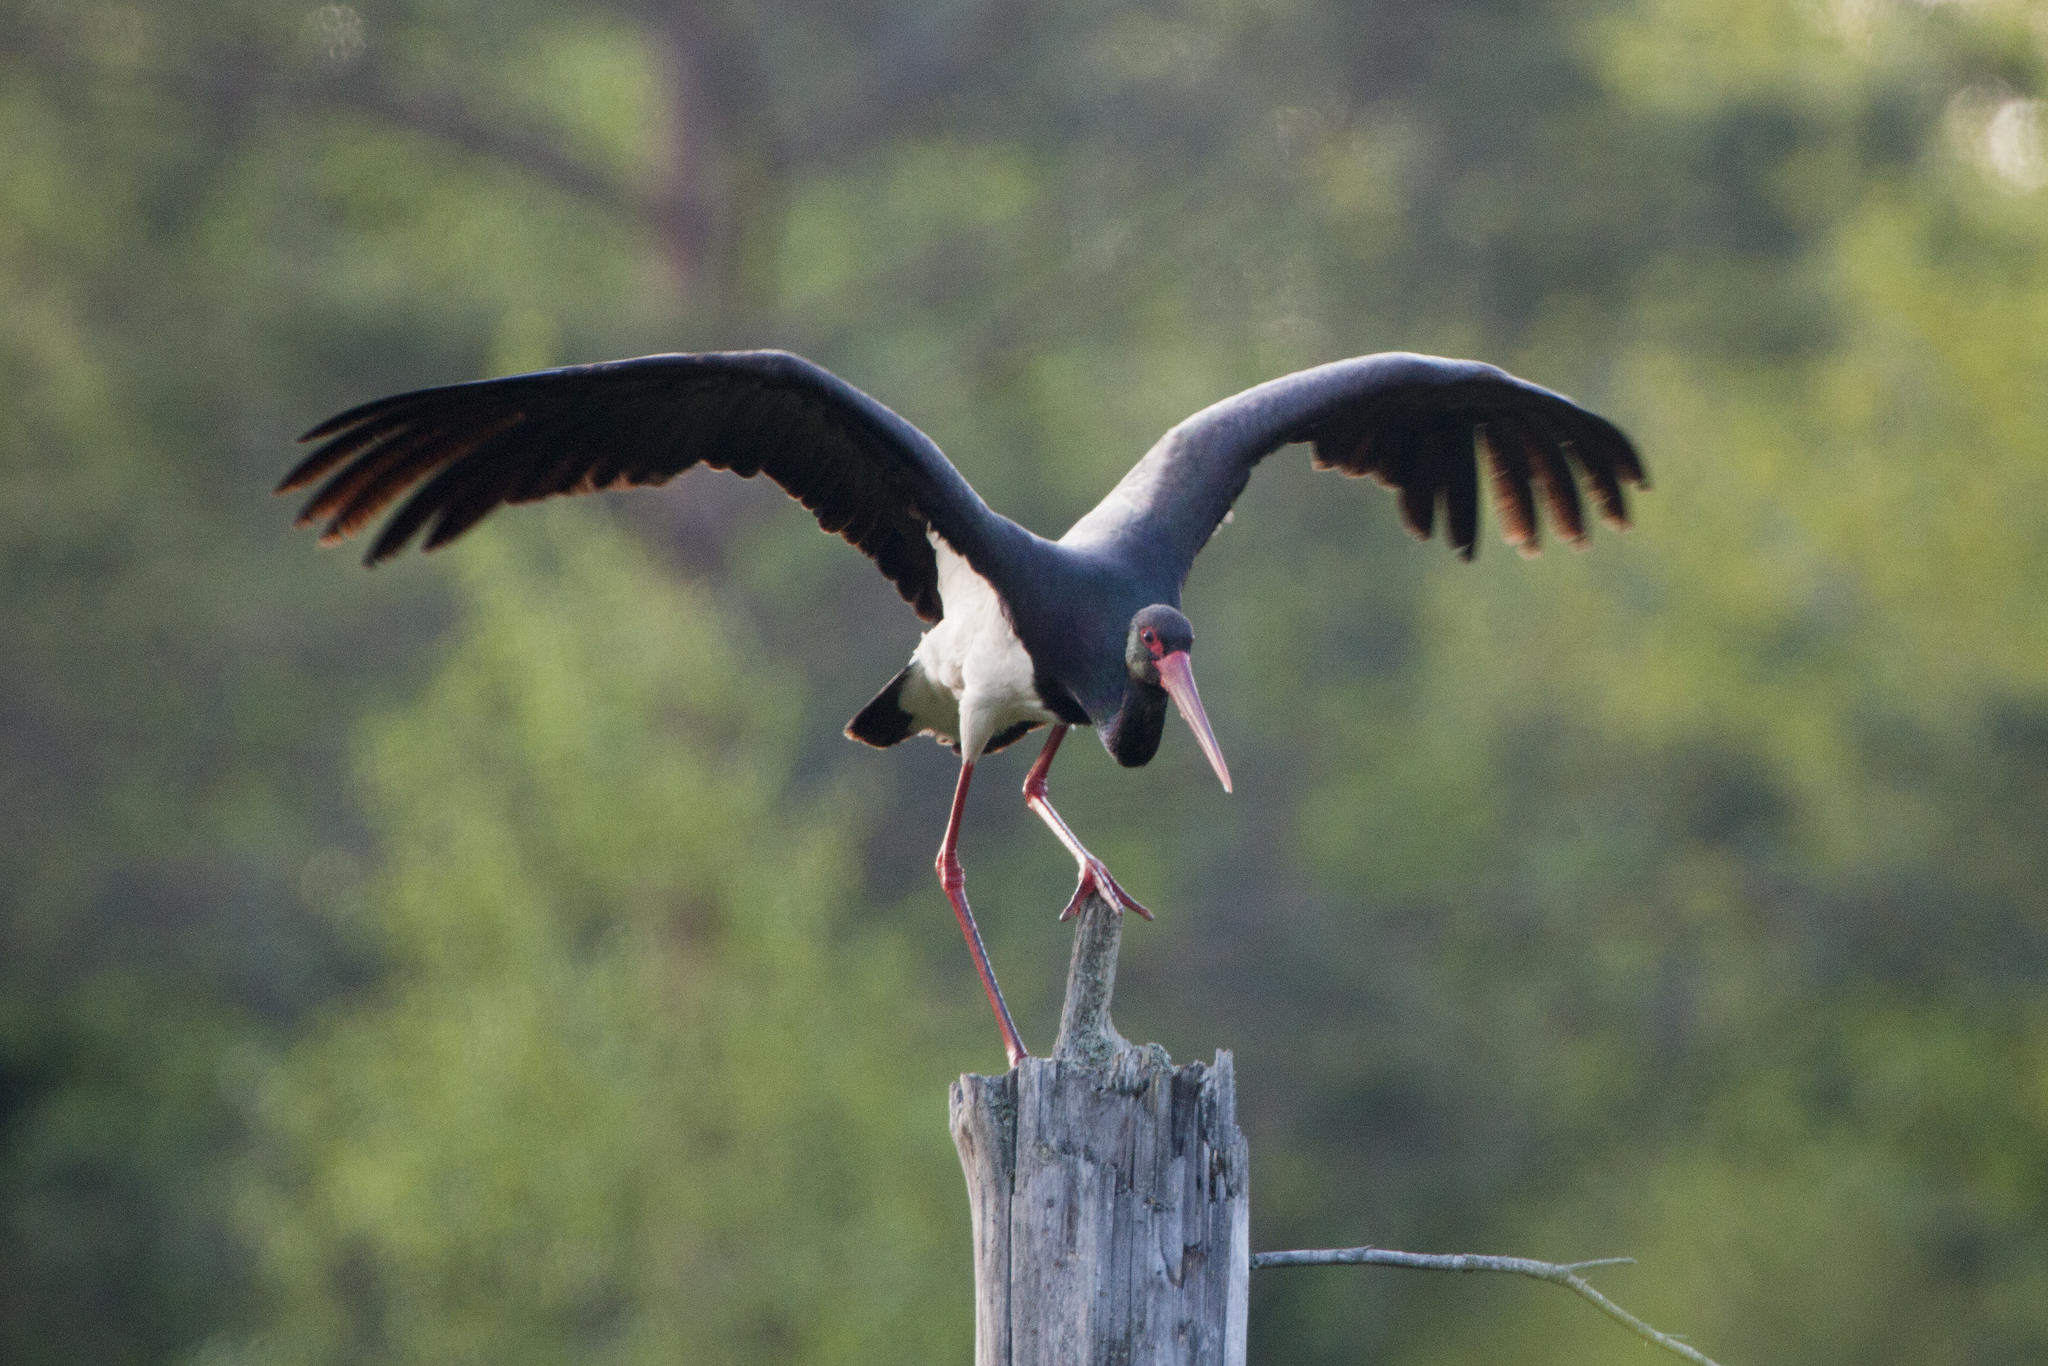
x: 1178, y: 678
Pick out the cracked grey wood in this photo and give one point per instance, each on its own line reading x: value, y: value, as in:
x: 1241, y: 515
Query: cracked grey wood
x: 1109, y: 1192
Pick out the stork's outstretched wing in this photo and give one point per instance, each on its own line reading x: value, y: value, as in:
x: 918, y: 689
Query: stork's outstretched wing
x: 866, y: 473
x: 1417, y: 424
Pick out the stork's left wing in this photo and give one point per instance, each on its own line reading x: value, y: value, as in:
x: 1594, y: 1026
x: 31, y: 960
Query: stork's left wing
x: 1417, y: 424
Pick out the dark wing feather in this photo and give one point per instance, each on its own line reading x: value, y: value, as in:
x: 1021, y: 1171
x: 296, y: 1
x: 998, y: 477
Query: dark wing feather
x: 1507, y: 465
x: 463, y: 450
x: 1414, y: 423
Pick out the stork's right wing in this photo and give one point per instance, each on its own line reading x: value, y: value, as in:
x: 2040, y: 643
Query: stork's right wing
x: 867, y: 474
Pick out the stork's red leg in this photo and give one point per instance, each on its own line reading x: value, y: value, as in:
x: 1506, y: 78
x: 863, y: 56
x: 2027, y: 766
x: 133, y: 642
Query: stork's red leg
x: 955, y: 882
x: 1094, y: 877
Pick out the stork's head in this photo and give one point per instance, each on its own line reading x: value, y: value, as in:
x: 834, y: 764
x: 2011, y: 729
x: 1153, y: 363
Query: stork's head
x: 1156, y: 653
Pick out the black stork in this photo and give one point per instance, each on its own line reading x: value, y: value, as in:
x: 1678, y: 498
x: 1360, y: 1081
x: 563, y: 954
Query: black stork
x: 1082, y: 631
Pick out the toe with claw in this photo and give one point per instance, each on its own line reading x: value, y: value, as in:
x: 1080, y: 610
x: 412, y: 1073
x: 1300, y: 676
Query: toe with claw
x: 1095, y: 880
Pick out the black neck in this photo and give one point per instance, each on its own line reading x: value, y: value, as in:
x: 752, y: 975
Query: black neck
x: 1132, y: 735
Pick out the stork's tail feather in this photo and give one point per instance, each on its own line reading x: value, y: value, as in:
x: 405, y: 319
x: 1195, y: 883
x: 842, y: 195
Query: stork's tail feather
x: 883, y: 722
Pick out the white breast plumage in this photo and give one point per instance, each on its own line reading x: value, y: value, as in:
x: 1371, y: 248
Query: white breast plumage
x: 970, y: 677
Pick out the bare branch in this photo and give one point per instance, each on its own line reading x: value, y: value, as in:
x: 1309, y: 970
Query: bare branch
x: 372, y: 91
x: 228, y: 77
x: 1557, y: 1273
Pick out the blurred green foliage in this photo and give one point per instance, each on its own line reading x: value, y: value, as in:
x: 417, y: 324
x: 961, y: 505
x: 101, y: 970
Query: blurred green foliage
x: 623, y: 1030
x: 499, y: 957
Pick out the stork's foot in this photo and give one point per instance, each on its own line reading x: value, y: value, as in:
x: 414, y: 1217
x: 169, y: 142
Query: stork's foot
x: 1096, y: 881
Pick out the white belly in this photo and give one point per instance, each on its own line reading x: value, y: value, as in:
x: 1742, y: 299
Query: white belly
x: 970, y: 677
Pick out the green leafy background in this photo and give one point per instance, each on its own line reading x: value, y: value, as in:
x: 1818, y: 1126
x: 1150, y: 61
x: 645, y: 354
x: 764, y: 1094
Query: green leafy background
x: 499, y: 958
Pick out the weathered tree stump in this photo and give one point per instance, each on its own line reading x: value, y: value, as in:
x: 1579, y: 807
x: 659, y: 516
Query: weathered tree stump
x: 1109, y: 1189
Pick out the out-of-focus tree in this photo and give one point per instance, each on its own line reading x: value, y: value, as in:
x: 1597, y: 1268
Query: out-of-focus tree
x: 638, y: 1081
x: 184, y: 275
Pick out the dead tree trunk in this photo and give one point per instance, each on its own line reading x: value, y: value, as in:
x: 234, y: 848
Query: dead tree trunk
x: 1112, y: 1215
